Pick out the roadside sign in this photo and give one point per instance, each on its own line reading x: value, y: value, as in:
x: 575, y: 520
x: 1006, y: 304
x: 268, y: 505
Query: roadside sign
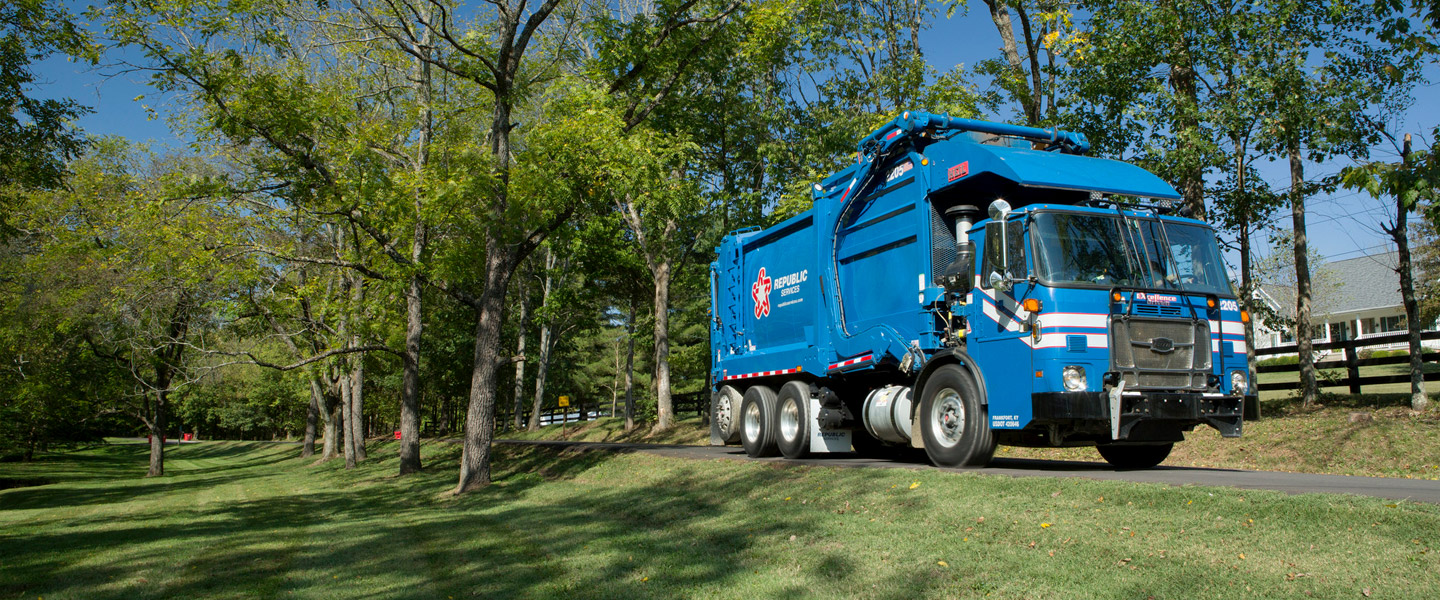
x: 564, y: 401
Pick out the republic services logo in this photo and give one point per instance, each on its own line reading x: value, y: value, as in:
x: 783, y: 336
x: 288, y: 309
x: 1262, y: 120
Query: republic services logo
x: 760, y: 291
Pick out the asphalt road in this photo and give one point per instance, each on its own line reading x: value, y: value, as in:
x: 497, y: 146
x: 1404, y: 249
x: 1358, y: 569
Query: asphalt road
x: 1294, y: 483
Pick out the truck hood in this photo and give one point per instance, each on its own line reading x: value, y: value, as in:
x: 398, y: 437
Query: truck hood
x: 1053, y: 170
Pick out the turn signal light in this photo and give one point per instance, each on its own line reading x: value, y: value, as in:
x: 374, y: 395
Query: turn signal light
x: 1031, y: 304
x: 1211, y: 302
x: 1244, y: 316
x: 1116, y: 297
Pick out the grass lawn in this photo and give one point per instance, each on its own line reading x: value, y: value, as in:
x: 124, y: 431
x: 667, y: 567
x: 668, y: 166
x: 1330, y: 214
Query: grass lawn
x: 250, y: 520
x: 1395, y: 442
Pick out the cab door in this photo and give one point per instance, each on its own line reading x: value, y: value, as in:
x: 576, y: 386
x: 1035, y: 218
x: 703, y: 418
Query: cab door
x: 1000, y: 328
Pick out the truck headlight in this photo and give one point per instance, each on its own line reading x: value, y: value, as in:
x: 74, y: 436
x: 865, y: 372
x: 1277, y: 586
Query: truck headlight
x: 1238, y: 384
x: 1074, y: 378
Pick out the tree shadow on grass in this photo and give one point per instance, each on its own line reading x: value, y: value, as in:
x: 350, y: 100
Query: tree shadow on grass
x: 111, y: 474
x: 695, y: 532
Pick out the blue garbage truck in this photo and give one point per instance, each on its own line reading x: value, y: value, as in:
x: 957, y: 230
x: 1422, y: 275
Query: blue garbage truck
x: 966, y: 284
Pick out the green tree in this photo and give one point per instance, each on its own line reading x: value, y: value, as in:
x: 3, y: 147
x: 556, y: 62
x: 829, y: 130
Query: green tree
x: 37, y: 136
x: 1327, y: 81
x: 145, y: 269
x: 1030, y: 79
x: 1408, y: 182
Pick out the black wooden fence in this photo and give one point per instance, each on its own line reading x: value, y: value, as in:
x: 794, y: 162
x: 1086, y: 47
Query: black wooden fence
x: 683, y: 404
x: 1351, y: 363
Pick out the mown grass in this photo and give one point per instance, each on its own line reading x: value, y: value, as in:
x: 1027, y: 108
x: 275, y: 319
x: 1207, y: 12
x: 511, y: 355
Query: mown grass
x: 1393, y: 442
x: 687, y: 431
x: 249, y: 520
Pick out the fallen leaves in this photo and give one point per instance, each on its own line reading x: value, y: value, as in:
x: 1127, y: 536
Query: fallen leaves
x: 914, y: 485
x: 1044, y: 525
x: 942, y: 563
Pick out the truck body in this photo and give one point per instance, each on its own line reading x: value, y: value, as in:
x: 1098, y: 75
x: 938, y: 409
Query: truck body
x: 967, y: 284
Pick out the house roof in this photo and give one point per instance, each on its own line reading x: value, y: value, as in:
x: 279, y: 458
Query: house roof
x: 1359, y: 283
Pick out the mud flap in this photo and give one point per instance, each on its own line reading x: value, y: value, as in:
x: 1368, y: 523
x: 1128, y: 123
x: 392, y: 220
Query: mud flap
x: 1115, y: 393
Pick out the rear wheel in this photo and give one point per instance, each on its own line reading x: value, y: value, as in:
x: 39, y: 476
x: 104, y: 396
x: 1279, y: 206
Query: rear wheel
x: 727, y: 414
x: 953, y: 421
x: 794, y: 420
x: 757, y: 422
x: 1134, y: 456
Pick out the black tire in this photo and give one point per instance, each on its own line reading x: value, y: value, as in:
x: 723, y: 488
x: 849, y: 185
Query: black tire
x: 757, y: 422
x: 793, y: 420
x: 1123, y: 456
x: 726, y: 411
x: 954, y: 422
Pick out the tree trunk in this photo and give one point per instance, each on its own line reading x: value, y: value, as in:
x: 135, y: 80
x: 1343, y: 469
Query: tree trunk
x: 542, y: 367
x: 333, y: 418
x: 1037, y: 85
x: 1001, y: 16
x: 312, y: 414
x: 357, y: 410
x: 347, y: 420
x: 630, y: 369
x: 410, y: 386
x: 1309, y: 392
x: 1183, y: 82
x: 520, y: 362
x: 664, y: 407
x: 1400, y: 233
x: 156, y: 425
x: 480, y: 414
x: 414, y: 326
x: 1247, y: 284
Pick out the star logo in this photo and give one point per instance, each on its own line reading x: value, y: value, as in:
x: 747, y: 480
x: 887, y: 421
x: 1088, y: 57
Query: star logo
x: 760, y: 291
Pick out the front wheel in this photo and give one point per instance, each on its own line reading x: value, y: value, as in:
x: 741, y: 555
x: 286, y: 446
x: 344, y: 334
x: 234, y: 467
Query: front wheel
x: 953, y: 420
x: 757, y: 422
x: 1134, y: 457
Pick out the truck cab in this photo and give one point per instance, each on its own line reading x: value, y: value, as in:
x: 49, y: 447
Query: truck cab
x: 1130, y: 327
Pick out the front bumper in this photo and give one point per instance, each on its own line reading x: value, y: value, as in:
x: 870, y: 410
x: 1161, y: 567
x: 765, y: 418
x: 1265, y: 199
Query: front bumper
x: 1141, y: 416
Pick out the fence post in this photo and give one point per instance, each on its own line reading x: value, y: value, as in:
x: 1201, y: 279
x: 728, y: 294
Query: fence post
x: 1352, y: 370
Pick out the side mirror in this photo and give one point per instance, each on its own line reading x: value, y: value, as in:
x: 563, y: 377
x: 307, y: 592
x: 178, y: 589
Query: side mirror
x: 959, y: 277
x: 999, y: 282
x: 999, y: 214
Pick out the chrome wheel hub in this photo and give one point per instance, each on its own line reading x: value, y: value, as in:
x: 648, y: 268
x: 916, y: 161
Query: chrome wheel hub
x: 723, y: 417
x: 752, y: 422
x: 947, y: 417
x: 790, y: 421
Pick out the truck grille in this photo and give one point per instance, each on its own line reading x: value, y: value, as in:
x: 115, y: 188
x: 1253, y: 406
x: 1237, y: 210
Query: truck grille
x: 1165, y: 354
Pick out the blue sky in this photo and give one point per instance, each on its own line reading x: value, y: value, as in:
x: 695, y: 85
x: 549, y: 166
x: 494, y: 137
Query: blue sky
x: 1343, y: 225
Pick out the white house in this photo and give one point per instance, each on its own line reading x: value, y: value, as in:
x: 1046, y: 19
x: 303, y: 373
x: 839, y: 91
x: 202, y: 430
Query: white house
x: 1364, y: 303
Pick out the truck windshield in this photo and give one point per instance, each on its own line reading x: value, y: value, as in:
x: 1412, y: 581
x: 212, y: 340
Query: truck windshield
x: 1089, y: 249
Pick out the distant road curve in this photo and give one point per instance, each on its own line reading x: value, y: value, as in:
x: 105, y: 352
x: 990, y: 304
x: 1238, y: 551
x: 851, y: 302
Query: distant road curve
x: 1416, y: 490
